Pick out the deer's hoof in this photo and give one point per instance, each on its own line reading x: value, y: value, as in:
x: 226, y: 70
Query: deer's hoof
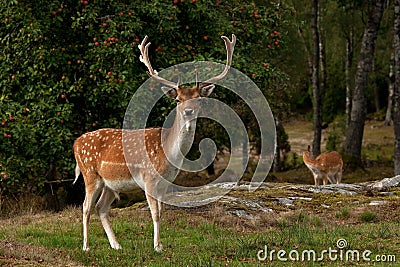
x: 158, y: 248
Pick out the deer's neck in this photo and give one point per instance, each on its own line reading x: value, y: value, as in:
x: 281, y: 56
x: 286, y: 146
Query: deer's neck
x: 179, y: 138
x: 307, y: 158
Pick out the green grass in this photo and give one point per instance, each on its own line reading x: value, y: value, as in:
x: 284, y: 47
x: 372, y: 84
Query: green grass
x: 191, y: 238
x: 368, y: 216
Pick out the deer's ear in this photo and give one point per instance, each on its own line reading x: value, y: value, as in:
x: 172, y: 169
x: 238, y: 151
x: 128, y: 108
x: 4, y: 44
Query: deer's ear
x: 206, y: 90
x: 170, y: 92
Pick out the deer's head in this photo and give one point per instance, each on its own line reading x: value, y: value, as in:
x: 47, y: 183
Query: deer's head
x: 188, y: 104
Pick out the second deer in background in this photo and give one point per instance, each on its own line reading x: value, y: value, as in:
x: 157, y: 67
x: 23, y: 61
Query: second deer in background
x: 327, y: 166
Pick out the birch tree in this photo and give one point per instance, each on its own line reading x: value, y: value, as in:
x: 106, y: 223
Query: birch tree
x: 396, y: 114
x: 355, y: 129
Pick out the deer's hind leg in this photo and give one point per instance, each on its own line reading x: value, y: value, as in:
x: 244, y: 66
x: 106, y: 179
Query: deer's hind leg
x: 338, y: 176
x: 103, y: 206
x: 325, y: 179
x: 93, y: 187
x: 332, y: 178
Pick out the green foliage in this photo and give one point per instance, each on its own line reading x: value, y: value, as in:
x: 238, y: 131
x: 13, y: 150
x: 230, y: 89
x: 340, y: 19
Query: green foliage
x: 343, y: 214
x: 67, y: 67
x: 368, y: 216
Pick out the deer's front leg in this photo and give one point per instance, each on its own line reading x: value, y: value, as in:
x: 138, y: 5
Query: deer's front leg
x: 155, y: 210
x: 316, y: 179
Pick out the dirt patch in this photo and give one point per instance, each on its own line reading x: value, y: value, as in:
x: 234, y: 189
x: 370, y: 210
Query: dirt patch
x: 13, y: 253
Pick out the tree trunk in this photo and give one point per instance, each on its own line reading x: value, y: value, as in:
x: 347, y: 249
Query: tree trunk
x: 277, y: 159
x: 348, y: 65
x: 388, y: 118
x: 396, y: 113
x: 322, y: 55
x: 374, y: 85
x: 316, y: 148
x: 355, y: 129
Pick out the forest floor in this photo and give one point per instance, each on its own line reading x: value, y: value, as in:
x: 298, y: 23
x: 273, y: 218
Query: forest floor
x: 286, y: 214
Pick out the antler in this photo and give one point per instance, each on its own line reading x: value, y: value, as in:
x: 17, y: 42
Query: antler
x: 230, y: 46
x: 144, y: 57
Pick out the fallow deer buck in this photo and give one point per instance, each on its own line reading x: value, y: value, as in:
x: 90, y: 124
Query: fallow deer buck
x: 327, y: 166
x: 101, y: 160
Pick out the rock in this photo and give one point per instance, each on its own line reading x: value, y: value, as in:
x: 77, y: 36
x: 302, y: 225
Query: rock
x: 350, y: 189
x: 243, y: 214
x: 386, y: 183
x: 285, y: 201
x: 377, y: 202
x: 242, y: 207
x: 251, y: 205
x: 301, y: 198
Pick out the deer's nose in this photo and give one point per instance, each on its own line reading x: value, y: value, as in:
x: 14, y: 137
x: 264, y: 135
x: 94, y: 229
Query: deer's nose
x: 188, y: 111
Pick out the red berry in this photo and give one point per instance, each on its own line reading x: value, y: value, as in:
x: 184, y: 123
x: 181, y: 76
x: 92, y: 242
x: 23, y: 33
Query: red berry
x: 205, y: 37
x: 96, y: 43
x: 109, y: 73
x: 85, y: 3
x: 104, y: 24
x: 3, y: 123
x: 94, y: 39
